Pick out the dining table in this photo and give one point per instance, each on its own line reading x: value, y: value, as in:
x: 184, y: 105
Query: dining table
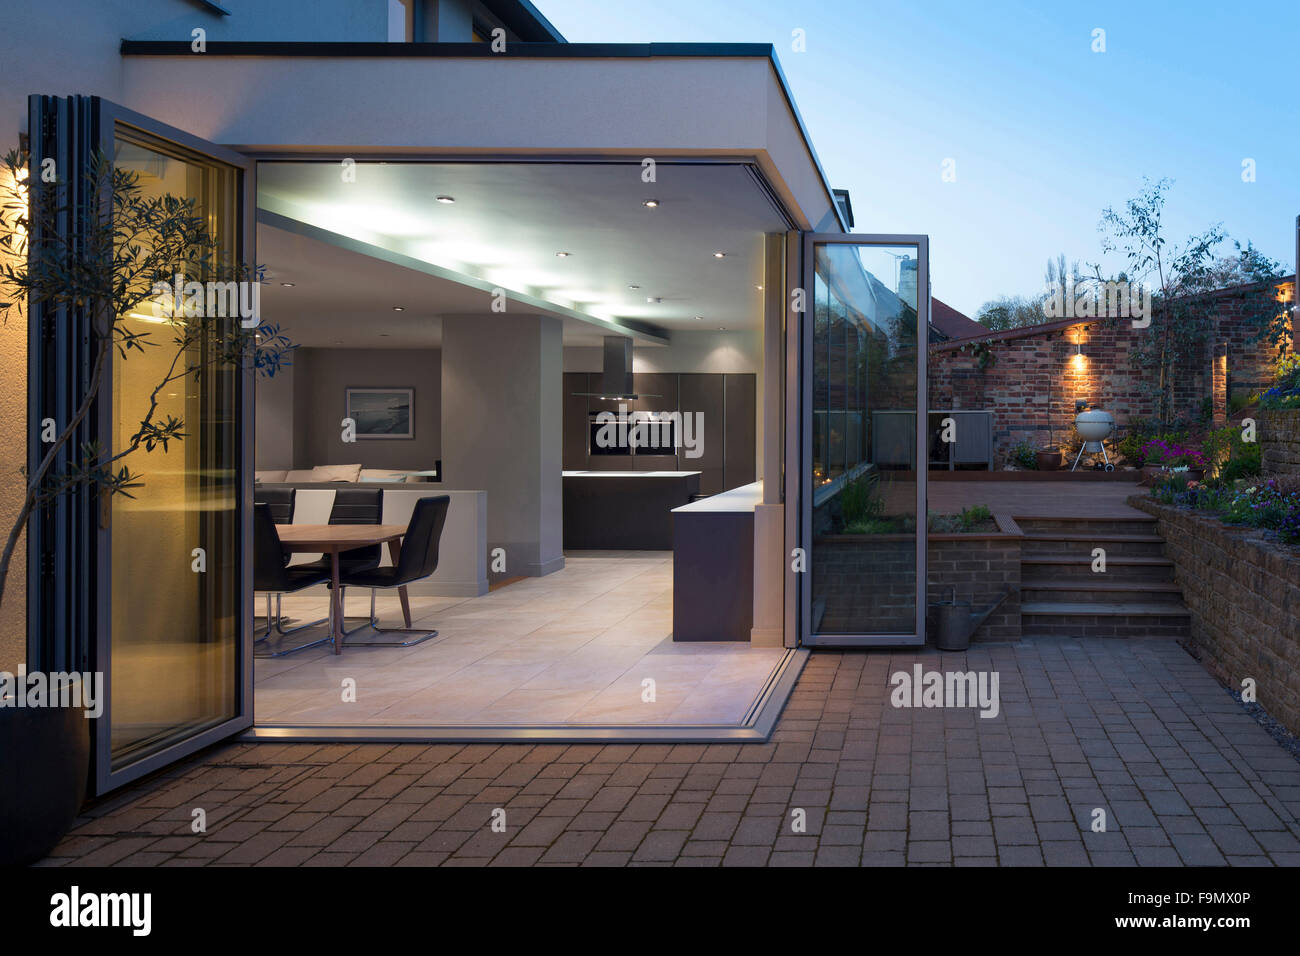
x: 334, y: 539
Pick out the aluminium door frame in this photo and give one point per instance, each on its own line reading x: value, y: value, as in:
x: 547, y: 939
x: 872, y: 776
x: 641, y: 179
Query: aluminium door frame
x: 104, y: 118
x: 799, y: 449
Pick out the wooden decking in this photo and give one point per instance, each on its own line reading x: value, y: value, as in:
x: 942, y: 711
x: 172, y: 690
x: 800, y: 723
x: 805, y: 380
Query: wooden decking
x: 1037, y: 499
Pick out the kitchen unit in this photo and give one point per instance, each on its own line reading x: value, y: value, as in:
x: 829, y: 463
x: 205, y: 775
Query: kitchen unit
x: 624, y: 510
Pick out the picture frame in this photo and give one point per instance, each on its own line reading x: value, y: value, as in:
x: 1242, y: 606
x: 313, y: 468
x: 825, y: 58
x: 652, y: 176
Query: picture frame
x: 381, y: 413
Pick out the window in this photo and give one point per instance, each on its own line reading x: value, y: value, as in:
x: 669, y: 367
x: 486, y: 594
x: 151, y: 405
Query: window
x: 401, y: 21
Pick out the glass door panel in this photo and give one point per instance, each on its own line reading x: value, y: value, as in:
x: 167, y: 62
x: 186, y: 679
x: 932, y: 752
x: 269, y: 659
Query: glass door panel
x: 864, y: 500
x: 175, y: 628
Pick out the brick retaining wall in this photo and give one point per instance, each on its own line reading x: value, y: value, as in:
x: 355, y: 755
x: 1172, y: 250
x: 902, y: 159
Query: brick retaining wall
x: 1244, y: 594
x: 1279, y: 439
x: 867, y: 582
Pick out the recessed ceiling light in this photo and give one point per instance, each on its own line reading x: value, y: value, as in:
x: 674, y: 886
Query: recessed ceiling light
x: 722, y: 328
x: 287, y: 285
x: 634, y: 287
x: 383, y: 335
x: 446, y: 199
x: 699, y: 318
x: 719, y: 255
x: 759, y: 288
x: 654, y: 299
x: 651, y: 203
x: 564, y: 255
x: 398, y: 308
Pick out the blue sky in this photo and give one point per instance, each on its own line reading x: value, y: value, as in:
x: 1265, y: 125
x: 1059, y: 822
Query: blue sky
x: 1044, y: 132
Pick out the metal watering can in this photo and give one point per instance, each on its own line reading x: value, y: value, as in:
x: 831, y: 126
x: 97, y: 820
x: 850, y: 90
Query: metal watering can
x: 954, y: 622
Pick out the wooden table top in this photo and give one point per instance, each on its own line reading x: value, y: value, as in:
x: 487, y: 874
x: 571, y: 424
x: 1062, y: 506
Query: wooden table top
x: 328, y: 538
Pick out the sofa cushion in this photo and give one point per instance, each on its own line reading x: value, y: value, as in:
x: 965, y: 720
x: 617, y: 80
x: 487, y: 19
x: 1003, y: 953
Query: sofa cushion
x: 299, y: 475
x: 270, y: 476
x: 336, y: 472
x: 381, y: 474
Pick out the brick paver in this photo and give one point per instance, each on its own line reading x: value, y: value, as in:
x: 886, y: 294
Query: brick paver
x: 1135, y: 729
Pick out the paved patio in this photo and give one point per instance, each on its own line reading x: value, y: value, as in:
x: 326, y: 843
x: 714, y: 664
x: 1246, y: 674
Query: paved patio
x: 1136, y: 728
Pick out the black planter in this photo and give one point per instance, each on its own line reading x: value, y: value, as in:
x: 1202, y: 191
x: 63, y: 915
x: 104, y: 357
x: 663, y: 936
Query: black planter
x: 44, y: 761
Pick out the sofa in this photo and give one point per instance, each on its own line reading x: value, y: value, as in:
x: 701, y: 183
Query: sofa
x: 324, y: 474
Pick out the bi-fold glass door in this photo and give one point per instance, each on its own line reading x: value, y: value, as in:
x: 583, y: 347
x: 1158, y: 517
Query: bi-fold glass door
x: 152, y: 588
x: 861, y: 339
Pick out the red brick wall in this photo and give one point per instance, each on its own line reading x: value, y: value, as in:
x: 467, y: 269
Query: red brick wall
x: 1031, y: 368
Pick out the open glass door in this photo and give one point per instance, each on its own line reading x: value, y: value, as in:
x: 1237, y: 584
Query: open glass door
x: 862, y: 348
x: 151, y: 589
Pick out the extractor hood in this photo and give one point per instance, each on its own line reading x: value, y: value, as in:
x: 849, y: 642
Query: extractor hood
x: 616, y: 371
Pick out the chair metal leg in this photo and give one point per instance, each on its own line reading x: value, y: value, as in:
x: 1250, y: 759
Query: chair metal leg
x: 373, y: 626
x: 275, y: 625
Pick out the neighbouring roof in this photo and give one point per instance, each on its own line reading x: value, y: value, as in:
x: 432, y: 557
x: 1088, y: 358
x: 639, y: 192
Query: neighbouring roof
x: 952, y: 324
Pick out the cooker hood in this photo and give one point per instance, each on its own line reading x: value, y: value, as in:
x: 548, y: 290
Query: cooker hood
x: 616, y: 371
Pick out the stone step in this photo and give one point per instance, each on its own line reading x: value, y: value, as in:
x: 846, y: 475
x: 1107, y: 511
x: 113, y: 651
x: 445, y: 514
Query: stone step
x: 1064, y: 590
x: 1132, y: 545
x: 1122, y: 524
x: 1037, y: 568
x: 1090, y: 619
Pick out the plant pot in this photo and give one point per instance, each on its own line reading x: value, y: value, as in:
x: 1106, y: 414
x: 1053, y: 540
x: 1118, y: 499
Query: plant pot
x: 1195, y: 474
x: 45, y: 753
x: 1048, y: 459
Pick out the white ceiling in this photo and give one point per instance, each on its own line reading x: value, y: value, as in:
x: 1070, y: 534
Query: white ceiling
x: 504, y: 229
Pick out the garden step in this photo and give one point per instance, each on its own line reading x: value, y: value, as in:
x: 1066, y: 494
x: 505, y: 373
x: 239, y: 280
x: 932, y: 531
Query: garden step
x: 1081, y: 591
x: 1092, y: 608
x: 1039, y: 568
x: 1125, y: 524
x: 1086, y: 619
x: 1128, y: 545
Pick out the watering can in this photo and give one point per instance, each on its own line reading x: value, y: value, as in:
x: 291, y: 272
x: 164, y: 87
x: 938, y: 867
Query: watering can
x: 955, y: 622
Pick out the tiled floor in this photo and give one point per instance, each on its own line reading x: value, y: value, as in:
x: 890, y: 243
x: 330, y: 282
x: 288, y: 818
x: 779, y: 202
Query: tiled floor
x: 574, y: 647
x: 1136, y: 729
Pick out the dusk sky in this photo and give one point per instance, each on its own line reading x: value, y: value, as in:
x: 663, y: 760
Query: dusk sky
x: 1044, y: 133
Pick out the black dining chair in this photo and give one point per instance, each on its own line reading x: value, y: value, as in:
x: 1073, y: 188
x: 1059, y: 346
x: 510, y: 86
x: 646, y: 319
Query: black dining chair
x: 281, y: 501
x: 271, y: 575
x: 355, y: 506
x: 417, y: 560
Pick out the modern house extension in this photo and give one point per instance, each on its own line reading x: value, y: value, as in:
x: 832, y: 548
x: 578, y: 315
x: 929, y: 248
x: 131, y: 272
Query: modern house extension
x: 584, y: 349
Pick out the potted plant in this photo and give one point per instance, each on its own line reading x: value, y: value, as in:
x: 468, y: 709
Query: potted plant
x: 47, y: 756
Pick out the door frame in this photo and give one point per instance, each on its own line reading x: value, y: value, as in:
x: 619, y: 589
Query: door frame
x: 86, y: 123
x: 799, y: 412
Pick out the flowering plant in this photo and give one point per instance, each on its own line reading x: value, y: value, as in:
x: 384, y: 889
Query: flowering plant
x: 1159, y: 451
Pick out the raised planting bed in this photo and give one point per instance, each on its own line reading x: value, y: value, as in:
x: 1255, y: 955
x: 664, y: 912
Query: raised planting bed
x: 1243, y: 590
x: 867, y: 581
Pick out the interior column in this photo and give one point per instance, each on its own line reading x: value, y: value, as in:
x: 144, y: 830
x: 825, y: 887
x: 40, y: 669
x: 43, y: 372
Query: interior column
x: 501, y: 432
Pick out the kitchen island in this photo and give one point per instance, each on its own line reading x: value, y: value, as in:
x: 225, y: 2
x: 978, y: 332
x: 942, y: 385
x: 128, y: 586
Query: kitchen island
x: 624, y: 510
x: 713, y: 566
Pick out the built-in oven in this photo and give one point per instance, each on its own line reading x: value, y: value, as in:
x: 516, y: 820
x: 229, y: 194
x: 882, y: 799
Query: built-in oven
x: 636, y: 433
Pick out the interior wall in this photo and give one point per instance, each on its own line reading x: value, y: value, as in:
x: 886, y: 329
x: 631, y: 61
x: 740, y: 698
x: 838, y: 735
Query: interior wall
x: 273, y: 405
x: 501, y: 406
x: 320, y: 380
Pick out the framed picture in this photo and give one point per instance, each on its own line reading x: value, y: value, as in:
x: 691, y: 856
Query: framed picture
x: 382, y: 412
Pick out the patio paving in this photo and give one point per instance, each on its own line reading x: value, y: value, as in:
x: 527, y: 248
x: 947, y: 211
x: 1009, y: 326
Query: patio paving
x: 1135, y: 728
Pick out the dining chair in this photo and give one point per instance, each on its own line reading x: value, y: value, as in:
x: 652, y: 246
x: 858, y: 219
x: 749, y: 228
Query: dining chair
x: 355, y: 506
x: 418, y: 559
x: 271, y: 575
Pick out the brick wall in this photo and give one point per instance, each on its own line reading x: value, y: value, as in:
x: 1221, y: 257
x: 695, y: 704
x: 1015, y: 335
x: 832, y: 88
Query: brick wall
x: 864, y: 583
x: 1034, y: 382
x: 1244, y: 594
x: 1279, y: 439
